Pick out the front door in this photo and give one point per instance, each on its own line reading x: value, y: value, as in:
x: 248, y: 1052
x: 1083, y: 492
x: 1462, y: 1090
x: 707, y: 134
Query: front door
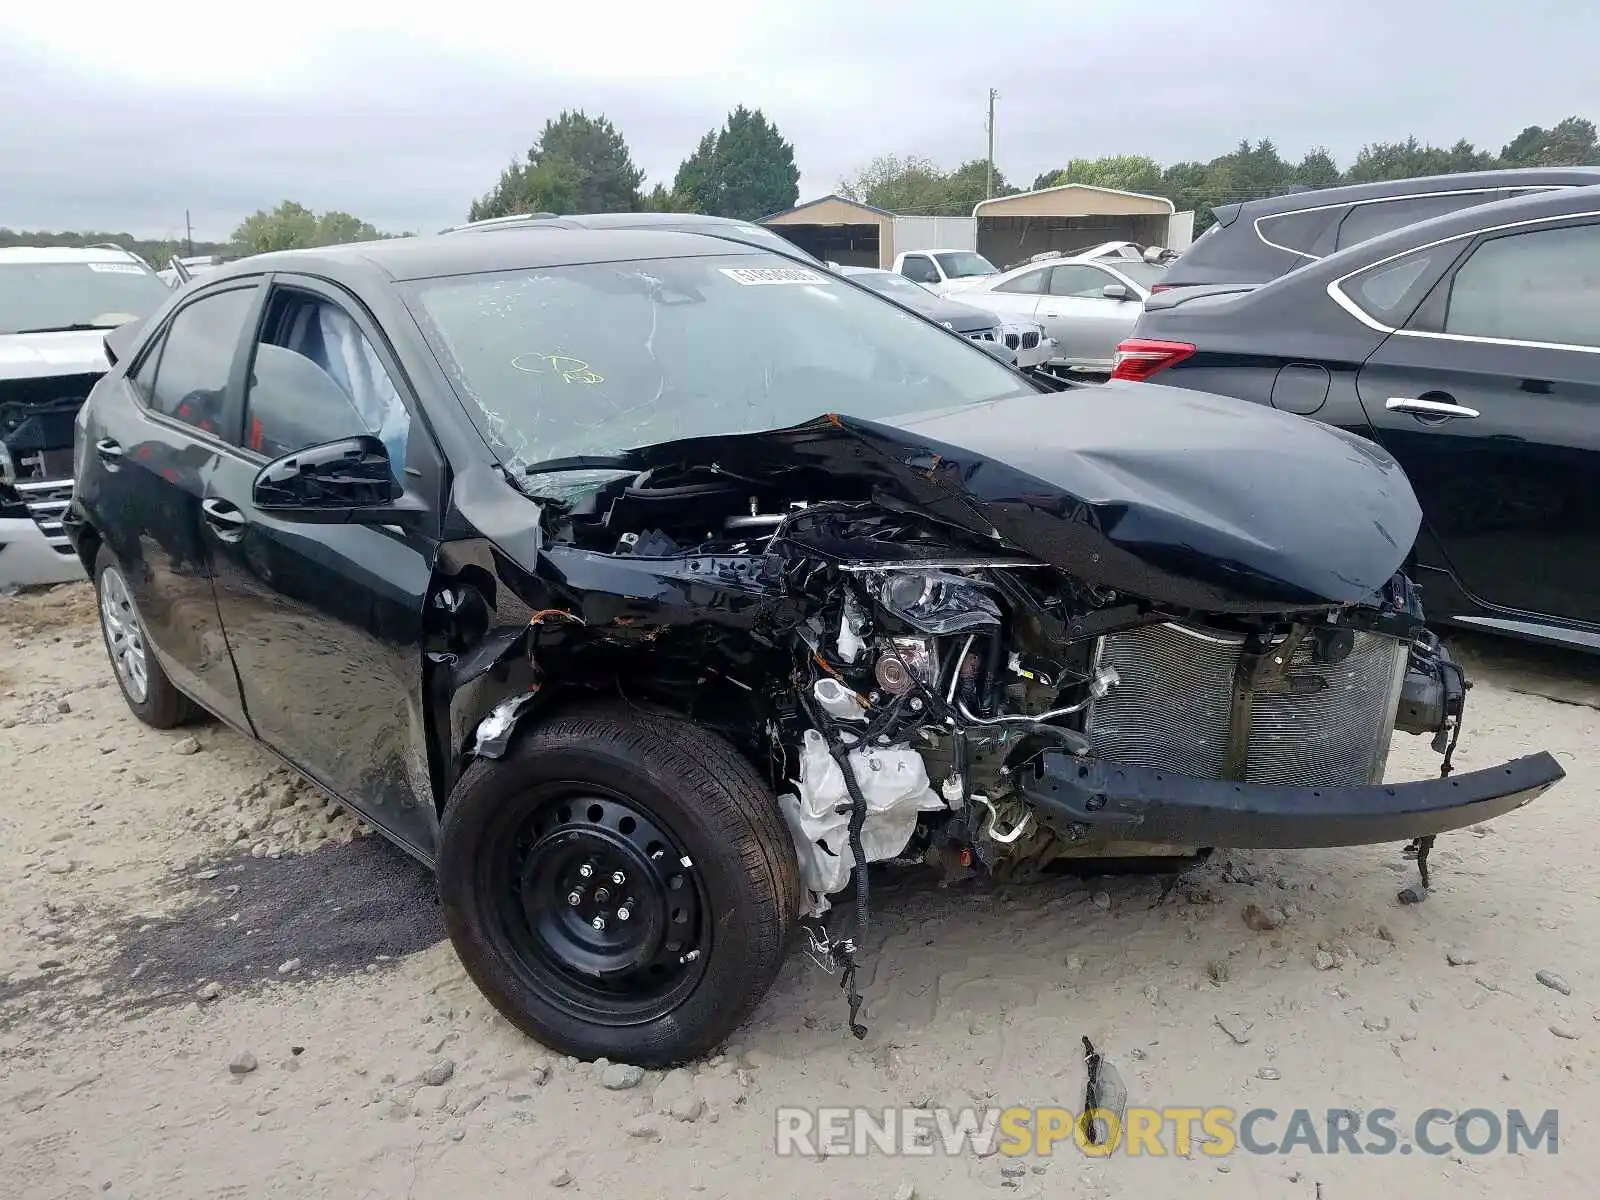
x: 1086, y: 324
x: 325, y: 621
x: 160, y: 433
x: 1489, y: 397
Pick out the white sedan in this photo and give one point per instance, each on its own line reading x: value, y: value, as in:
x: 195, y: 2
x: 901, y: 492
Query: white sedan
x: 1086, y: 305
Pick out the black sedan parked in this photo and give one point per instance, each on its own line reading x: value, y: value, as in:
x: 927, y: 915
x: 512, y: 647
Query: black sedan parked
x: 1469, y: 347
x: 649, y: 587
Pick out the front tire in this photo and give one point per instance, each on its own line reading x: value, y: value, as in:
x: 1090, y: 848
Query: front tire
x: 620, y: 884
x: 145, y: 686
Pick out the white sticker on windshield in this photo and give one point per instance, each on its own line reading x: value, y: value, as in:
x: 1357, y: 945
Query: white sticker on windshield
x: 116, y: 268
x: 753, y: 275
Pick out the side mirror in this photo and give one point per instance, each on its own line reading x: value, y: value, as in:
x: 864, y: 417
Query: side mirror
x: 349, y: 481
x: 1115, y: 291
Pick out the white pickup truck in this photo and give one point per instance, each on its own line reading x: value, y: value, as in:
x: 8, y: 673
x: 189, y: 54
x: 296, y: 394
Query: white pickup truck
x: 943, y: 271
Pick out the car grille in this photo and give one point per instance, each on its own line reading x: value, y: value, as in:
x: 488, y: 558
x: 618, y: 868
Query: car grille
x: 46, y: 501
x: 1028, y: 340
x: 1171, y: 709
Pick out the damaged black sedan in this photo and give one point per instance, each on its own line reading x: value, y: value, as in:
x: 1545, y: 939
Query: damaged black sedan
x: 646, y: 587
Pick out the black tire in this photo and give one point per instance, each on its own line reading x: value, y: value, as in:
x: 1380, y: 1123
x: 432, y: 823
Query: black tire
x: 161, y: 706
x: 499, y: 864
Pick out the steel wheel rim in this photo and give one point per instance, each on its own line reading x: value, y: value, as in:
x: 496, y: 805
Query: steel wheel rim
x: 631, y: 968
x: 119, y: 620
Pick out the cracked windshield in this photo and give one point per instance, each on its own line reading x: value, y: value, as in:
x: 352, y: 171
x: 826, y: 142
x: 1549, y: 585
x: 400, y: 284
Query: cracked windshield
x: 600, y: 358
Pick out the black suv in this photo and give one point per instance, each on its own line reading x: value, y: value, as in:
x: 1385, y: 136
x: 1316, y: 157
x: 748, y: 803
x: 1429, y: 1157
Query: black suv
x: 1259, y: 240
x: 1469, y: 347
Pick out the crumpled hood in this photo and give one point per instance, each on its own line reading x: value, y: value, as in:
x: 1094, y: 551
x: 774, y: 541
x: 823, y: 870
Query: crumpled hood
x: 1171, y: 494
x: 1161, y: 493
x: 40, y: 355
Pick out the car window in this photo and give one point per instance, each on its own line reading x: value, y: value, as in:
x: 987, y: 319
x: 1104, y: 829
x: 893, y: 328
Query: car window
x: 1299, y: 231
x: 965, y: 264
x: 187, y: 376
x: 1078, y: 281
x: 1379, y: 217
x: 1542, y: 286
x: 316, y: 378
x: 595, y: 358
x: 919, y: 269
x: 1391, y: 291
x: 41, y: 297
x: 1029, y: 283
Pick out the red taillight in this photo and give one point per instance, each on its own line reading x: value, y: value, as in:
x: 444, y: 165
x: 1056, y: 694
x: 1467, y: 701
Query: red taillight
x: 1161, y: 287
x: 1140, y: 358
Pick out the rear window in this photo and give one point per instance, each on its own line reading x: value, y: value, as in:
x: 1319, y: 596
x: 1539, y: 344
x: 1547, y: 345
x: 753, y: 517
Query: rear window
x: 1367, y: 221
x: 1300, y: 231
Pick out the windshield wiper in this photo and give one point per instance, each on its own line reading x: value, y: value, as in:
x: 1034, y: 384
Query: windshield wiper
x: 81, y: 327
x: 582, y: 462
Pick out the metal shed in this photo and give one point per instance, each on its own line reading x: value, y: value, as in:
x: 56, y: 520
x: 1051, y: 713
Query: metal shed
x: 1071, y: 217
x: 839, y: 230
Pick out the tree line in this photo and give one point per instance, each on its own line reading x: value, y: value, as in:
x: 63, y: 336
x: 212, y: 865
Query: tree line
x: 745, y: 168
x: 1248, y: 172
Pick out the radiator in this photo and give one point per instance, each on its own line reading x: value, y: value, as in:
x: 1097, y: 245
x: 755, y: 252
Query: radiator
x: 1171, y: 709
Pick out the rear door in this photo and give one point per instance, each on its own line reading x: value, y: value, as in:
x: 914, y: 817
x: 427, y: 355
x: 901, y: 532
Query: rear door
x: 1489, y: 396
x: 1016, y: 299
x: 325, y: 621
x: 160, y: 433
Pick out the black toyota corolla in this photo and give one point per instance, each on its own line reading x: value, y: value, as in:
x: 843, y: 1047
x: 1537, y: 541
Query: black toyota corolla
x: 647, y: 587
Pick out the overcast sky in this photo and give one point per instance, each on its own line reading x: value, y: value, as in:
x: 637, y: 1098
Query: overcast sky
x: 120, y: 118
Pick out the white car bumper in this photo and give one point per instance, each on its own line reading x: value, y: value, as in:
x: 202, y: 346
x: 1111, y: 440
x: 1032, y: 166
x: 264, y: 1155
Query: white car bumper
x: 28, y: 558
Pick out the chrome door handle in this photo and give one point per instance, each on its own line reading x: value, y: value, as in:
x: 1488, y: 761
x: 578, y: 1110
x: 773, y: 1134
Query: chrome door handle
x: 1428, y: 408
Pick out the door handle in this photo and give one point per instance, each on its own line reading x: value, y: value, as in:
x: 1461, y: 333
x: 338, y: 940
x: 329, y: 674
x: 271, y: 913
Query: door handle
x: 109, y: 450
x: 1428, y: 408
x: 225, y: 519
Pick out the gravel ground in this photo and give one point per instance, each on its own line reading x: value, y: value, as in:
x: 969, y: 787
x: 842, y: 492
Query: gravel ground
x: 214, y: 984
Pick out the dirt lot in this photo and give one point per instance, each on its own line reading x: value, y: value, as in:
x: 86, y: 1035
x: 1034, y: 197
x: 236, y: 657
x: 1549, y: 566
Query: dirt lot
x: 212, y: 985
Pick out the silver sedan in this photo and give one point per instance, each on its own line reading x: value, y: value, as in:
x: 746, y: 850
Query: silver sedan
x: 1086, y: 305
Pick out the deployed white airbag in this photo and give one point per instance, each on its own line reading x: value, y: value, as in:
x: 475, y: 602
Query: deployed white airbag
x: 894, y: 783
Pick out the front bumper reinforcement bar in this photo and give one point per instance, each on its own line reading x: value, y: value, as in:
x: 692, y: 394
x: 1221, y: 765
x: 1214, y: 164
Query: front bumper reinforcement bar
x: 1101, y: 799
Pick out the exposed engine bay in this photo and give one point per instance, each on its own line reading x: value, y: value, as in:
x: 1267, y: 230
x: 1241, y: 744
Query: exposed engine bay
x: 939, y: 674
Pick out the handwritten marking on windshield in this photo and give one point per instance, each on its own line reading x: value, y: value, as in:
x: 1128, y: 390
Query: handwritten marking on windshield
x: 571, y: 370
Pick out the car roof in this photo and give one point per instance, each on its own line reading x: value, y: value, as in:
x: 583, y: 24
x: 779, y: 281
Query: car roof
x: 608, y: 220
x: 1464, y: 181
x: 436, y: 254
x: 1464, y: 222
x: 66, y: 254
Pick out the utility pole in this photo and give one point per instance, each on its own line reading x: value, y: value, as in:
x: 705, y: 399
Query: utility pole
x: 988, y: 170
x: 188, y: 232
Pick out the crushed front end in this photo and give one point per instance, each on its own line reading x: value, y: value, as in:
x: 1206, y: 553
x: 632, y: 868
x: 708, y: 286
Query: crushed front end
x: 36, y: 447
x: 946, y: 654
x: 1052, y: 719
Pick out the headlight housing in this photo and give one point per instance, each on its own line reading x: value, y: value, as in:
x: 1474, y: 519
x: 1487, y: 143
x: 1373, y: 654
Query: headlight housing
x: 935, y: 602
